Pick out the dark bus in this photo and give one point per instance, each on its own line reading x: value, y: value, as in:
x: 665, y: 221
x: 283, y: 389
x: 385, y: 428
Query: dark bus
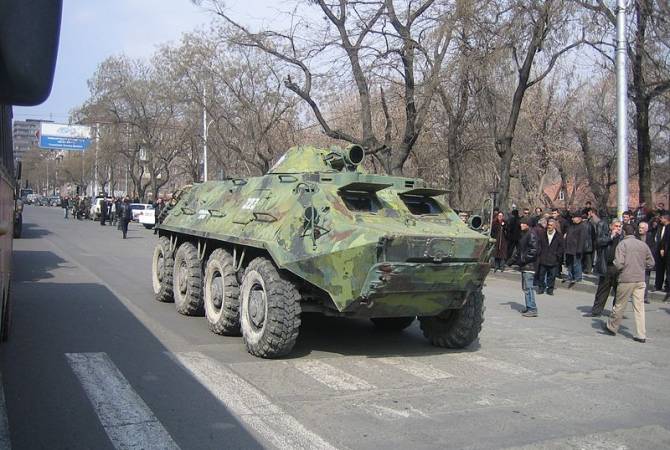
x: 28, y: 46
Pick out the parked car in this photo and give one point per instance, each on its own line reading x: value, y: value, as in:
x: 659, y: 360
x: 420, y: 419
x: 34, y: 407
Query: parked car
x: 147, y: 217
x: 94, y: 212
x: 136, y: 208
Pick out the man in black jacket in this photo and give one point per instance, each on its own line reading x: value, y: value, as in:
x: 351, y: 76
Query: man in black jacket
x: 551, y: 248
x: 575, y: 237
x: 525, y: 256
x: 661, y: 254
x: 605, y: 267
x: 126, y: 216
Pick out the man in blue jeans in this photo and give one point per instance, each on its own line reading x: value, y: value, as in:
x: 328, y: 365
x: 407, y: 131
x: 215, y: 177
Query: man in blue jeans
x: 525, y: 256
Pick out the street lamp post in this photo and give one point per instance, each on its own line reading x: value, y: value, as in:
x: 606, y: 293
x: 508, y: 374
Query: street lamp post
x: 205, y: 127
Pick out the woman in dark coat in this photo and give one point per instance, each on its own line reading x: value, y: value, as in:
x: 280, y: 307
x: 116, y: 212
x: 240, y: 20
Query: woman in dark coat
x: 499, y: 231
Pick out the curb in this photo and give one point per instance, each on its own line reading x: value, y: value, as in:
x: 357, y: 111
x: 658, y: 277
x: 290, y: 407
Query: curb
x: 589, y: 284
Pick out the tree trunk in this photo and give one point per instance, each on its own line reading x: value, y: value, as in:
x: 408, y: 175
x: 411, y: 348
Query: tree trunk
x: 504, y: 149
x: 643, y: 149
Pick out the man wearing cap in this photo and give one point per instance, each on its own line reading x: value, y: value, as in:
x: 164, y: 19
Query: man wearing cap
x: 525, y: 256
x: 632, y: 258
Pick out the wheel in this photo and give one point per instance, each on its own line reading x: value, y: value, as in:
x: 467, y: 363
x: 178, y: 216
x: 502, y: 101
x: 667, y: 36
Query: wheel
x: 270, y: 310
x: 187, y: 281
x: 456, y: 328
x: 162, y: 268
x: 392, y: 323
x: 222, y: 294
x: 147, y: 226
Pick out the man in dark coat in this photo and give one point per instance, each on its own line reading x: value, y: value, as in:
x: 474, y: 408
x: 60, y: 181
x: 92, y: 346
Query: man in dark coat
x: 551, y: 248
x: 103, y: 211
x: 645, y: 236
x: 499, y: 233
x: 126, y: 216
x: 574, y: 248
x: 662, y: 254
x: 589, y: 244
x: 525, y: 256
x: 605, y: 267
x: 513, y: 232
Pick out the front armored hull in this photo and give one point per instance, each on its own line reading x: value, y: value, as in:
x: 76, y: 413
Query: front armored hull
x: 397, y: 276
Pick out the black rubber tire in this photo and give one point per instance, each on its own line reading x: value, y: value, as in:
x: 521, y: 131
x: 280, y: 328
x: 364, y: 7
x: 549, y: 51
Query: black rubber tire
x: 456, y: 328
x: 278, y: 332
x: 225, y: 319
x: 392, y: 323
x: 187, y: 291
x: 161, y: 277
x: 147, y: 226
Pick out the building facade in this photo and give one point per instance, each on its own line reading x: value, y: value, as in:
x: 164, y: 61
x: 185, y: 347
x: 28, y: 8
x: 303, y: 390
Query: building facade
x: 25, y: 135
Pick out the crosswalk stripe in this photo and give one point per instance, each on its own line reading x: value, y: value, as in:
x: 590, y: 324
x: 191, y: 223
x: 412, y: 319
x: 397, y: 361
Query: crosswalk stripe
x: 416, y: 368
x: 5, y: 442
x: 491, y: 363
x: 250, y: 405
x: 331, y: 376
x: 127, y: 420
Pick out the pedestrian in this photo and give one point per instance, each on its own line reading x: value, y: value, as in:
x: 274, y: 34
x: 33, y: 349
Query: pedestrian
x: 574, y: 248
x: 65, y: 205
x: 632, y: 258
x: 126, y: 216
x: 513, y: 232
x: 589, y: 243
x: 661, y: 254
x: 627, y: 218
x: 119, y: 206
x: 561, y: 222
x: 103, y: 211
x: 524, y: 257
x: 551, y: 249
x: 646, y: 237
x: 607, y: 273
x: 499, y: 232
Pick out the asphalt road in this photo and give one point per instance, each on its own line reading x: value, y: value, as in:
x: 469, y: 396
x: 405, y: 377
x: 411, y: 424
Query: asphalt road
x: 94, y: 362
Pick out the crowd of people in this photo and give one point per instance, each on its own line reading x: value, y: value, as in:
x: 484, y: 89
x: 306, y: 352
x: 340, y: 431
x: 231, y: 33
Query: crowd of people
x: 116, y: 211
x: 545, y: 246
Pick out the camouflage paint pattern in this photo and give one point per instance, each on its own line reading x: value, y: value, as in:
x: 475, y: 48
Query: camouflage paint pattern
x: 376, y: 261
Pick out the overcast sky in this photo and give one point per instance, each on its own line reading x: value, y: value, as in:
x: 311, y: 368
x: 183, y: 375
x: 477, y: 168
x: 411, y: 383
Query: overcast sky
x: 92, y: 30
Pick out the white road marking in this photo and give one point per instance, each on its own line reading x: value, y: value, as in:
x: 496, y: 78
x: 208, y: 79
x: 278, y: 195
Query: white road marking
x: 250, y: 405
x: 5, y: 441
x: 491, y: 363
x: 385, y: 412
x: 128, y: 421
x: 331, y: 376
x: 416, y: 368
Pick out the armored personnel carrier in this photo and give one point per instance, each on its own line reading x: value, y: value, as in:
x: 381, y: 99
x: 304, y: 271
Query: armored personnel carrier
x: 319, y: 234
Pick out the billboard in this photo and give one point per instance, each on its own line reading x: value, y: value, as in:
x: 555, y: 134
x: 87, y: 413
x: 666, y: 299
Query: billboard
x: 56, y: 136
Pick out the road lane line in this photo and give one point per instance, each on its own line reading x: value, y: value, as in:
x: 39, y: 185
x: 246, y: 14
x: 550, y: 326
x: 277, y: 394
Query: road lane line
x: 331, y: 376
x: 5, y: 441
x: 250, y: 405
x: 416, y: 368
x: 127, y: 420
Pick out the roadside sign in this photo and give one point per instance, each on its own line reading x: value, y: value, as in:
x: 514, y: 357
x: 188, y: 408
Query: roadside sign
x: 64, y: 137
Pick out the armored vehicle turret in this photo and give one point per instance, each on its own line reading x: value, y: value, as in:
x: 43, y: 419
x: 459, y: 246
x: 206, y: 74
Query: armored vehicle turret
x: 319, y: 234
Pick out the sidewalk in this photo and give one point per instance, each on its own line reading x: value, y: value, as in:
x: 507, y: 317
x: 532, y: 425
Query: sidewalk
x: 589, y: 283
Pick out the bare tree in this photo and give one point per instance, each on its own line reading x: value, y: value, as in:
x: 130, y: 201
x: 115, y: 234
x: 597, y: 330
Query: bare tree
x: 648, y: 51
x: 383, y: 46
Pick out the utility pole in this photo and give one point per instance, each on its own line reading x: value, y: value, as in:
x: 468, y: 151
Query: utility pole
x: 95, y: 169
x: 622, y: 116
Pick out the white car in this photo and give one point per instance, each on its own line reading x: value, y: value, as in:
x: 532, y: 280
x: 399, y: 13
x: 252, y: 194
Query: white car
x: 143, y: 213
x: 94, y: 212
